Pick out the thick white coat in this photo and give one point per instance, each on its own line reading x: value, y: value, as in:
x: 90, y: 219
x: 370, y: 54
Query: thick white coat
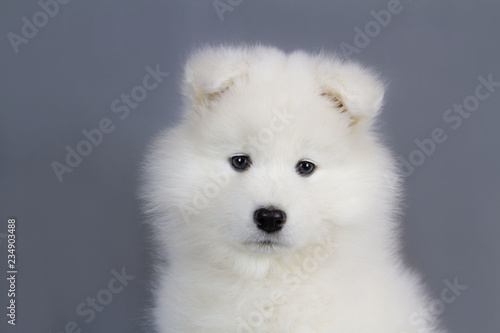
x: 335, y: 266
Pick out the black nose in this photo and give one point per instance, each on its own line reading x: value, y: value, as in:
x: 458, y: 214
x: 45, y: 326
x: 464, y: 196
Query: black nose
x: 269, y: 219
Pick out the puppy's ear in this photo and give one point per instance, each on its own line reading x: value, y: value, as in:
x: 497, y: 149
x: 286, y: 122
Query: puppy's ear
x: 210, y: 72
x: 352, y: 89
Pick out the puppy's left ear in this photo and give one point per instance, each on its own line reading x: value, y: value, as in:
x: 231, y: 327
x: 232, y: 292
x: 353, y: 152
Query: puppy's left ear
x: 352, y: 89
x: 210, y: 72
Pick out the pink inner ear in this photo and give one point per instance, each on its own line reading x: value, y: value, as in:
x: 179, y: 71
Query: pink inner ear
x: 335, y: 100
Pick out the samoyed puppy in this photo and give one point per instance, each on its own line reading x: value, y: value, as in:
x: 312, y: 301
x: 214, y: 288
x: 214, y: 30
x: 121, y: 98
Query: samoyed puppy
x: 274, y: 203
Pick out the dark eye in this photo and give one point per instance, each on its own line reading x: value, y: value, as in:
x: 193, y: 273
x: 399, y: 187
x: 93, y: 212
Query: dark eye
x: 240, y: 162
x: 305, y: 168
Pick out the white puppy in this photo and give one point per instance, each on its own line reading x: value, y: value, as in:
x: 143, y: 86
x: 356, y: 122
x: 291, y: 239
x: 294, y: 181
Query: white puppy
x: 274, y: 203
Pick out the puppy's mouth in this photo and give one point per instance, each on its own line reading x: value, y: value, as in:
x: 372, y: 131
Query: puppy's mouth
x: 266, y: 245
x: 265, y: 242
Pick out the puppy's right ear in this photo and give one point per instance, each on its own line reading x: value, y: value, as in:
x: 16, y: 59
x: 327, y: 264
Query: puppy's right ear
x: 351, y: 89
x: 212, y: 71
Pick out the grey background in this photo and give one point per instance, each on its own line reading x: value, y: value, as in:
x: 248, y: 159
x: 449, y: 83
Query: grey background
x: 72, y: 234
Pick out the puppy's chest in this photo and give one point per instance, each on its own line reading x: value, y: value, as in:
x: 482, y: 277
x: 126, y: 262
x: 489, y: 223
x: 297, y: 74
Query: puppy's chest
x: 286, y: 304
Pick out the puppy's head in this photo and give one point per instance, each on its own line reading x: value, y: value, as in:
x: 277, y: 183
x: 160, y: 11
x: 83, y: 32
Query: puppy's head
x: 275, y: 152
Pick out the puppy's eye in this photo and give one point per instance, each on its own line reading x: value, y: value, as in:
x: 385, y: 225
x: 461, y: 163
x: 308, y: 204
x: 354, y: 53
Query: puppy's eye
x: 240, y: 162
x: 305, y: 168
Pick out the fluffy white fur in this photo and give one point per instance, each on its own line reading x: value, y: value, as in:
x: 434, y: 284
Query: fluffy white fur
x: 334, y: 267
